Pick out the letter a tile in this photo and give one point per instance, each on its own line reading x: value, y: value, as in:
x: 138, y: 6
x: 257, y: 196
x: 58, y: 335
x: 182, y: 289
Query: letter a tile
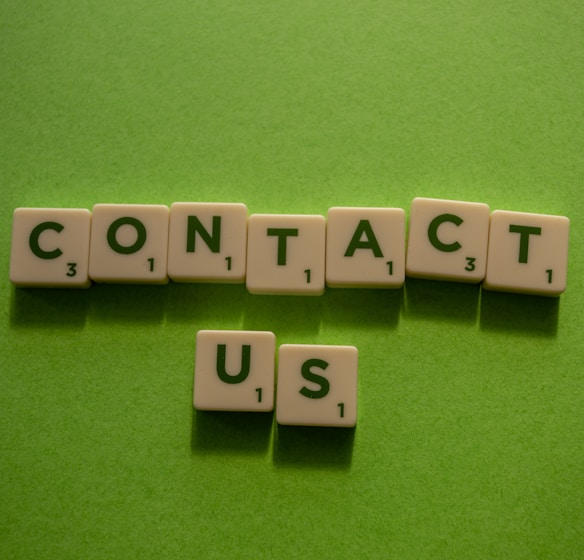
x: 365, y: 247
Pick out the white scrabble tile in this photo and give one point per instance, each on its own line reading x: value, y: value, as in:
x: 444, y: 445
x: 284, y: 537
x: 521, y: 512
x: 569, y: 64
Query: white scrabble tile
x: 235, y: 371
x: 365, y: 247
x: 50, y: 247
x: 207, y: 242
x: 528, y: 253
x: 286, y: 254
x: 448, y: 240
x: 129, y: 243
x: 317, y: 385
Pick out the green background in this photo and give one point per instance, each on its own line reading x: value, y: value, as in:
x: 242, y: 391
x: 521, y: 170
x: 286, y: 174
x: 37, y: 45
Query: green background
x: 470, y: 435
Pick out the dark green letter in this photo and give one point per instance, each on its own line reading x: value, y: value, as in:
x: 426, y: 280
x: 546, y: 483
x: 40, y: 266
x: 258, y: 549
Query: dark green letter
x: 33, y: 240
x: 370, y: 241
x: 213, y: 241
x: 113, y: 230
x: 433, y: 232
x: 314, y: 378
x: 524, y: 232
x: 245, y: 364
x: 282, y: 234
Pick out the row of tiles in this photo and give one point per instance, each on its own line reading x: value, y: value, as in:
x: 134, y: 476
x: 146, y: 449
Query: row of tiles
x: 291, y: 254
x: 316, y: 384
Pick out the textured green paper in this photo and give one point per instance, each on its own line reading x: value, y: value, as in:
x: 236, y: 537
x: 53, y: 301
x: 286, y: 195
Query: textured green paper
x: 469, y: 439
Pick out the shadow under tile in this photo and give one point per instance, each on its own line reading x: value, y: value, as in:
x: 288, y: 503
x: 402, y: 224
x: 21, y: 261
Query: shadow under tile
x: 231, y: 432
x: 49, y: 307
x: 519, y: 313
x: 363, y: 307
x: 128, y: 303
x: 437, y: 300
x: 188, y: 302
x: 302, y: 446
x: 295, y: 316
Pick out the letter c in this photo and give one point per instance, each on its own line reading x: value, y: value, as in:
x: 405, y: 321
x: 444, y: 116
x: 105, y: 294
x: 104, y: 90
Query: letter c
x: 433, y: 232
x: 35, y: 234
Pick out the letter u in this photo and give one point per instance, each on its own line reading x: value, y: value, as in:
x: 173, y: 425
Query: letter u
x: 245, y: 364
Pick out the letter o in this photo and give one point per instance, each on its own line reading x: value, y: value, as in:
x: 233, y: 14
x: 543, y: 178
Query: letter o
x: 126, y: 221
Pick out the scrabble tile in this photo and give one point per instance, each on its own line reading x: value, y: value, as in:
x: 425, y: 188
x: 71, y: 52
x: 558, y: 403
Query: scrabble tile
x: 448, y: 240
x: 528, y: 253
x: 129, y: 243
x: 365, y: 247
x: 235, y: 371
x: 50, y: 247
x: 317, y: 385
x: 286, y: 254
x: 207, y: 242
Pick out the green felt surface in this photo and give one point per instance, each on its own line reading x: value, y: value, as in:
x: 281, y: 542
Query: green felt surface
x: 470, y: 440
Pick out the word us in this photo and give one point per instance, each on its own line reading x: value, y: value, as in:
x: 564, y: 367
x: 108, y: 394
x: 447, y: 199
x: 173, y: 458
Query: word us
x: 315, y: 385
x: 290, y: 254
